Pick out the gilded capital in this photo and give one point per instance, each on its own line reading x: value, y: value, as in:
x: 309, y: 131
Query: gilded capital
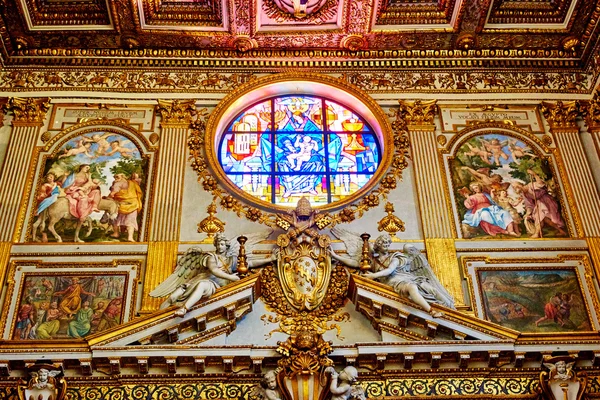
x: 30, y: 110
x: 176, y: 111
x: 591, y: 113
x: 418, y: 113
x: 559, y: 114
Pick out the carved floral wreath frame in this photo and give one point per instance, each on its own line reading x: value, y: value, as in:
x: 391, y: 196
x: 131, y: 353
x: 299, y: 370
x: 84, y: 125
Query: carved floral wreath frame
x: 395, y: 137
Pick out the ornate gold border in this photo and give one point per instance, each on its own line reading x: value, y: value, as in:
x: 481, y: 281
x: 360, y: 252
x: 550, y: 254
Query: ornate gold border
x: 493, y: 264
x: 43, y: 267
x: 202, y: 146
x: 147, y: 152
x: 552, y: 155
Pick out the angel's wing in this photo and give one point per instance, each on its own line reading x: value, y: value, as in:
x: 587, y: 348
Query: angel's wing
x: 53, y: 373
x: 550, y: 366
x: 188, y: 266
x: 253, y: 239
x: 420, y: 267
x: 570, y: 365
x: 351, y: 240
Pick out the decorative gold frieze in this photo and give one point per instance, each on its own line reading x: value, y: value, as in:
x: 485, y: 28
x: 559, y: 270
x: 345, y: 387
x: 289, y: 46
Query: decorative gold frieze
x: 176, y: 112
x: 559, y: 114
x: 418, y: 112
x: 28, y: 111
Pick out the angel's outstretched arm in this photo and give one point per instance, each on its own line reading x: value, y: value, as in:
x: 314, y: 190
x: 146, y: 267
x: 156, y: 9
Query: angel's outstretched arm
x: 384, y: 272
x: 349, y: 262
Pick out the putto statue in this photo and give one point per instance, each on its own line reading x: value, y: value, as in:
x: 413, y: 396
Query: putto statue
x: 267, y: 390
x: 200, y: 273
x: 407, y: 272
x: 343, y: 385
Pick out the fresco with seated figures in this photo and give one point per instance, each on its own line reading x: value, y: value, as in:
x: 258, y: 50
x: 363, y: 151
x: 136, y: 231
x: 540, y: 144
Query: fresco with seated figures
x: 68, y: 307
x: 504, y: 188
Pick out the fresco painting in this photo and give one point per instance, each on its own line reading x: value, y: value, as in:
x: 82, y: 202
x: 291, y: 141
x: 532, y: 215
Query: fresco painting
x: 534, y: 300
x: 68, y: 307
x: 504, y: 189
x: 93, y: 191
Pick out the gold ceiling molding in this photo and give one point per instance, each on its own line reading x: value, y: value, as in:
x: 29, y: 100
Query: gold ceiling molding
x: 497, y: 33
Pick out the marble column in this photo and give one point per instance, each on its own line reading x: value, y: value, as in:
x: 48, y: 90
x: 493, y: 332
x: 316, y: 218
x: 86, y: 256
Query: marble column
x: 16, y: 175
x: 176, y: 117
x: 581, y: 186
x: 434, y: 205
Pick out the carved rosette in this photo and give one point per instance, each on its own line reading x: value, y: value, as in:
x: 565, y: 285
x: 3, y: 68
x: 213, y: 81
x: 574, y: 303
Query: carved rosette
x: 28, y: 111
x: 176, y: 112
x: 560, y: 115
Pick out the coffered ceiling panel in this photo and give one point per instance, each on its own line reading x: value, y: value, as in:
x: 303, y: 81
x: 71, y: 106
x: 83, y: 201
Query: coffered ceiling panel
x: 51, y: 14
x: 181, y: 14
x: 414, y: 34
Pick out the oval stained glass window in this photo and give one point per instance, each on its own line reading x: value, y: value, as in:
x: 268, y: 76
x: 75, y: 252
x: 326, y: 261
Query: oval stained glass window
x: 283, y: 148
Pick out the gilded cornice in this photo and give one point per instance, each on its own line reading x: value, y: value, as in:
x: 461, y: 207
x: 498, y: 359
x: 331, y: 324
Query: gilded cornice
x: 560, y: 115
x: 176, y: 112
x: 28, y: 111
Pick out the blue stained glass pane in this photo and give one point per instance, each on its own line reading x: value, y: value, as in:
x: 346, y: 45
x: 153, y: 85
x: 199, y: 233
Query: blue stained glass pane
x: 356, y: 152
x: 340, y: 118
x: 344, y: 185
x: 299, y: 152
x: 254, y: 119
x: 254, y: 184
x: 298, y: 114
x: 246, y: 152
x: 291, y: 188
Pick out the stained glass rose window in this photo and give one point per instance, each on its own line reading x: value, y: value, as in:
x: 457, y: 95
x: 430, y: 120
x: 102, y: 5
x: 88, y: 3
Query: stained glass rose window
x: 286, y: 147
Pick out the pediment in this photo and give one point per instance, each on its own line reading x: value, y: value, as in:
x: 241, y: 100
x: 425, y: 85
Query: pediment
x: 377, y: 318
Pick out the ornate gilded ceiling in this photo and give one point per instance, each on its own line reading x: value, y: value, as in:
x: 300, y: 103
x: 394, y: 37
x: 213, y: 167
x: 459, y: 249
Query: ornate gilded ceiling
x: 421, y: 34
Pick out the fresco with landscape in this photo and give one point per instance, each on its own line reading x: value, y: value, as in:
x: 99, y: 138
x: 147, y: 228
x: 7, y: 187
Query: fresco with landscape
x: 67, y: 307
x: 503, y: 188
x: 92, y: 190
x: 534, y: 300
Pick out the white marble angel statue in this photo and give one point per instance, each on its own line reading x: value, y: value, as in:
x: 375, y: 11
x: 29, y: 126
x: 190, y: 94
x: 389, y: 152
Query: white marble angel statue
x: 343, y: 386
x: 407, y: 272
x: 200, y: 273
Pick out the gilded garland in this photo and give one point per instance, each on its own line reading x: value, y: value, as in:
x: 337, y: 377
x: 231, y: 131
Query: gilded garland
x: 213, y: 180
